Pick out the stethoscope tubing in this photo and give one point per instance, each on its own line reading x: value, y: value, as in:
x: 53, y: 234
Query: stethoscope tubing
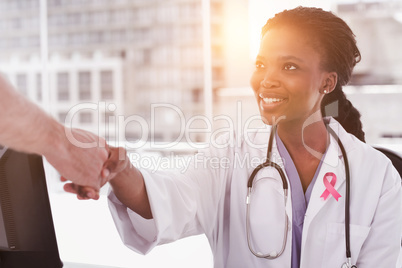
x: 347, y: 193
x: 267, y: 163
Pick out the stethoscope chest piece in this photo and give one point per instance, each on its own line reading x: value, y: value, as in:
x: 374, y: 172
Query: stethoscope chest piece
x: 346, y: 265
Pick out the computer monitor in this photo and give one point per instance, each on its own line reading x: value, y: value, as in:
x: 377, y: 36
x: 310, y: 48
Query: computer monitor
x: 27, y: 236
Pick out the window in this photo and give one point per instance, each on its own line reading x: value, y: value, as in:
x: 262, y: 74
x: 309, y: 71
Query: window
x: 62, y: 117
x: 55, y: 2
x: 217, y: 52
x: 216, y: 30
x: 16, y: 23
x: 22, y: 84
x: 110, y: 119
x: 147, y: 56
x: 85, y: 118
x: 216, y: 8
x: 197, y: 95
x: 217, y: 73
x: 95, y: 37
x: 84, y: 85
x: 168, y: 13
x: 38, y: 87
x: 63, y: 86
x: 145, y: 15
x: 107, y: 85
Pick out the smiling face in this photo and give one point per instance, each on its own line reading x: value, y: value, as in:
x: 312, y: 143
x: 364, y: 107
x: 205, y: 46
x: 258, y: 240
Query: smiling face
x: 288, y: 79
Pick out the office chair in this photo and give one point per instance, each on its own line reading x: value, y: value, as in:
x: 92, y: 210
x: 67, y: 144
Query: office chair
x: 395, y: 159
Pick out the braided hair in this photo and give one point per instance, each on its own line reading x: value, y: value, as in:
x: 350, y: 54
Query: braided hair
x: 336, y: 43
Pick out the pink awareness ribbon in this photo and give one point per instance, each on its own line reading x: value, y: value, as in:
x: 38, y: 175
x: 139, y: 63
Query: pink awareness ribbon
x: 330, y: 186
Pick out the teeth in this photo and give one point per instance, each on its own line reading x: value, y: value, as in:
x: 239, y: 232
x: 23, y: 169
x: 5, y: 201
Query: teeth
x: 272, y: 100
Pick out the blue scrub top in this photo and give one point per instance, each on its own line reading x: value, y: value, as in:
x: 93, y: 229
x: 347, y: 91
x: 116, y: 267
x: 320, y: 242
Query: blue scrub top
x: 300, y: 199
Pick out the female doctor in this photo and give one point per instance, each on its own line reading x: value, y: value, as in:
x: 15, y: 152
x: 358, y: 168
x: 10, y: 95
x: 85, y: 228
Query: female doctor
x: 305, y: 58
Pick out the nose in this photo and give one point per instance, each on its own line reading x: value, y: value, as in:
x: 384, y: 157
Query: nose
x: 270, y: 80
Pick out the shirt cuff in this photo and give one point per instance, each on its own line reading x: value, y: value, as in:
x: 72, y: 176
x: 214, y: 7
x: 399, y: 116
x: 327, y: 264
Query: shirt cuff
x: 146, y: 228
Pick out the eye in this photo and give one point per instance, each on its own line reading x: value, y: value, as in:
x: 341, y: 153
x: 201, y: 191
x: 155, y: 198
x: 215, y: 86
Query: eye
x: 290, y: 67
x: 259, y: 65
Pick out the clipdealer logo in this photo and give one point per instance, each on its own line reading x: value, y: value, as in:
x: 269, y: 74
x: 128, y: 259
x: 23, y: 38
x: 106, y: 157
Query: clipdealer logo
x: 235, y: 132
x: 146, y: 128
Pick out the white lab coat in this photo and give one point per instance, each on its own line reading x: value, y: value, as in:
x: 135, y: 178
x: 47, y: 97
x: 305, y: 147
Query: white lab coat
x: 211, y: 199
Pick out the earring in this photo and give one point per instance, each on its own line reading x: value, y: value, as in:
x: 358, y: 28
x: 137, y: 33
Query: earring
x: 325, y: 91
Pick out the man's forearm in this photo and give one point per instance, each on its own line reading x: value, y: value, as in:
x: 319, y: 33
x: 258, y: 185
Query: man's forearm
x: 23, y: 125
x: 26, y: 127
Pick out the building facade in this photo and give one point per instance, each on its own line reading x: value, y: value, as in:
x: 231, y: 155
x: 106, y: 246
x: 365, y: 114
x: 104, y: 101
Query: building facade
x: 378, y: 27
x: 129, y: 53
x: 83, y: 93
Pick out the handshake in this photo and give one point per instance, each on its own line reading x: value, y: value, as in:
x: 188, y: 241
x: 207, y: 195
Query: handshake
x: 85, y: 162
x: 83, y: 159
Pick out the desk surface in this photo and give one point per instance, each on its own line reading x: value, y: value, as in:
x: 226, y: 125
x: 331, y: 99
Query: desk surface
x: 83, y: 265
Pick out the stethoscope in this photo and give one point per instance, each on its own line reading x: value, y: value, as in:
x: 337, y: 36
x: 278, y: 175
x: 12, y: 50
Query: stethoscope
x: 269, y: 163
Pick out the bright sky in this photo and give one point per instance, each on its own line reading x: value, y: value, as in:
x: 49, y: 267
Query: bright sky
x: 261, y: 10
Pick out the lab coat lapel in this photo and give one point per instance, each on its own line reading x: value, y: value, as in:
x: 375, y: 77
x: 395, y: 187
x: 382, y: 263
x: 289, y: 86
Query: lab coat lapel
x: 333, y: 162
x: 316, y: 201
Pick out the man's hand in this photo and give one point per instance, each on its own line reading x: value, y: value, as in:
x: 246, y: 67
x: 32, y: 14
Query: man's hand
x: 126, y: 181
x: 117, y: 162
x: 79, y: 156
